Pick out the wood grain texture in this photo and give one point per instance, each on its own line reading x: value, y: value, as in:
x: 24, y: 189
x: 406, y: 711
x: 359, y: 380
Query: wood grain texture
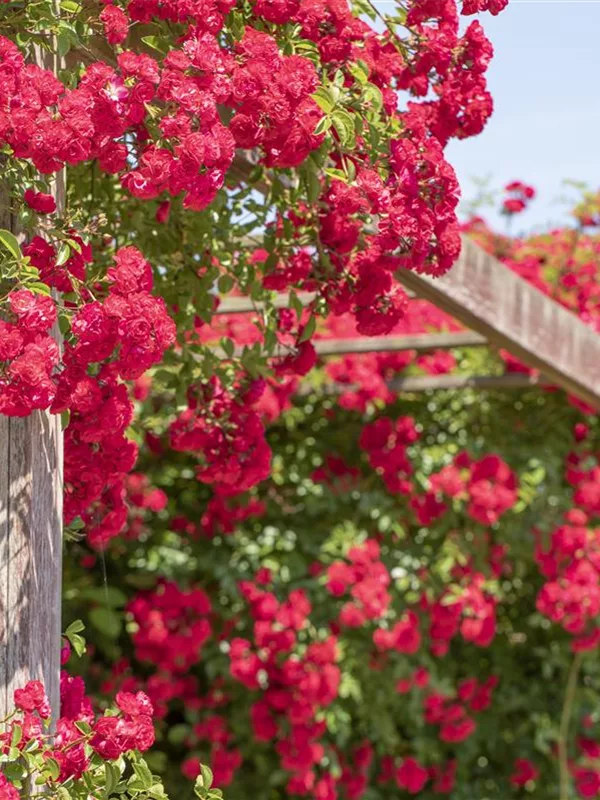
x: 489, y: 298
x: 31, y: 492
x: 30, y: 554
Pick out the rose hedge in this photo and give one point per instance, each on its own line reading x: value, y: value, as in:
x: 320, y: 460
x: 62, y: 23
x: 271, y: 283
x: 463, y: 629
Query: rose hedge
x: 407, y: 605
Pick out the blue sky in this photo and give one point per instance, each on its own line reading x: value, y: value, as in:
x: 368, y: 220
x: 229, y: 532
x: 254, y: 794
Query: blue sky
x: 545, y: 80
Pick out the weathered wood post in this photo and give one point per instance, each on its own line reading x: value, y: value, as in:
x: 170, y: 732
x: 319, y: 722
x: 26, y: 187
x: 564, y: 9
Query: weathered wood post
x: 31, y: 453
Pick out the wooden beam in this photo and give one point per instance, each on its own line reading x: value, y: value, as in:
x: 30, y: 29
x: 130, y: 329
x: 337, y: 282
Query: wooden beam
x: 31, y: 486
x: 422, y: 343
x: 242, y: 305
x: 488, y: 297
x: 492, y: 300
x: 415, y: 384
x: 424, y: 383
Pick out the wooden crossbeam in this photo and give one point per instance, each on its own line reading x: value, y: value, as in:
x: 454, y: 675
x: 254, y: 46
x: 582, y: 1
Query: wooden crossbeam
x: 489, y: 298
x: 242, y: 305
x: 415, y: 384
x: 421, y: 342
x: 492, y: 300
x: 424, y: 383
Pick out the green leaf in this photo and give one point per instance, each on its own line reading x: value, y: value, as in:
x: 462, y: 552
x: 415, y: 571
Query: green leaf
x: 203, y: 782
x: 78, y: 644
x: 309, y: 330
x: 225, y: 284
x: 237, y: 24
x: 17, y: 735
x: 296, y: 304
x: 144, y: 774
x: 228, y: 347
x: 106, y: 621
x: 363, y: 7
x: 344, y: 125
x: 74, y: 245
x: 63, y: 44
x: 177, y: 734
x: 64, y: 254
x: 9, y: 241
x: 207, y: 776
x: 323, y: 125
x: 105, y: 595
x: 84, y: 727
x: 372, y: 94
x: 337, y: 174
x: 112, y: 775
x: 14, y: 770
x: 53, y: 769
x: 37, y: 287
x: 70, y: 6
x: 325, y: 99
x: 360, y: 71
x: 75, y: 627
x: 154, y: 42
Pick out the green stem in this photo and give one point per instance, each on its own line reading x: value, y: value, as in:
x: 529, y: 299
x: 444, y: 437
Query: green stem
x: 565, y: 721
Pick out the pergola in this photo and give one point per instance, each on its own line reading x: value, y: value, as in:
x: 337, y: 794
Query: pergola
x: 497, y: 308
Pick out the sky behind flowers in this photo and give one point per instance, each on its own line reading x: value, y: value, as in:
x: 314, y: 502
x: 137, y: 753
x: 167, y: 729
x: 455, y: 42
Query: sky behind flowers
x: 545, y: 83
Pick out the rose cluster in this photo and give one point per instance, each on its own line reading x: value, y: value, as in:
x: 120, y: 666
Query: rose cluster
x: 83, y: 741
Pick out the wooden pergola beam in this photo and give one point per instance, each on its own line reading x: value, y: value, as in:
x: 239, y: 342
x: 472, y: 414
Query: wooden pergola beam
x: 424, y: 383
x: 242, y: 305
x: 422, y: 343
x: 489, y: 298
x: 415, y: 384
x: 425, y: 342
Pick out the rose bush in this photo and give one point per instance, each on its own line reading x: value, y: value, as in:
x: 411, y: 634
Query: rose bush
x: 169, y: 117
x: 323, y: 589
x: 408, y: 605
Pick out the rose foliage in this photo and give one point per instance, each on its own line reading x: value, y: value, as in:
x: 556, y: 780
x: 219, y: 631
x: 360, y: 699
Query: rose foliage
x: 322, y: 588
x: 190, y: 131
x: 84, y: 753
x: 408, y: 606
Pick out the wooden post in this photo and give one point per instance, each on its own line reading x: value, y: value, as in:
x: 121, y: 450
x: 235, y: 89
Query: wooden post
x: 31, y: 485
x: 30, y: 554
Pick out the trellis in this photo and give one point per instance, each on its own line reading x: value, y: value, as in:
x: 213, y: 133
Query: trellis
x: 495, y: 305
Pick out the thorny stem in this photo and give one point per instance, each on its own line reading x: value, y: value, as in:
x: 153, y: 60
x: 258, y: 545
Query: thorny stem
x: 565, y: 720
